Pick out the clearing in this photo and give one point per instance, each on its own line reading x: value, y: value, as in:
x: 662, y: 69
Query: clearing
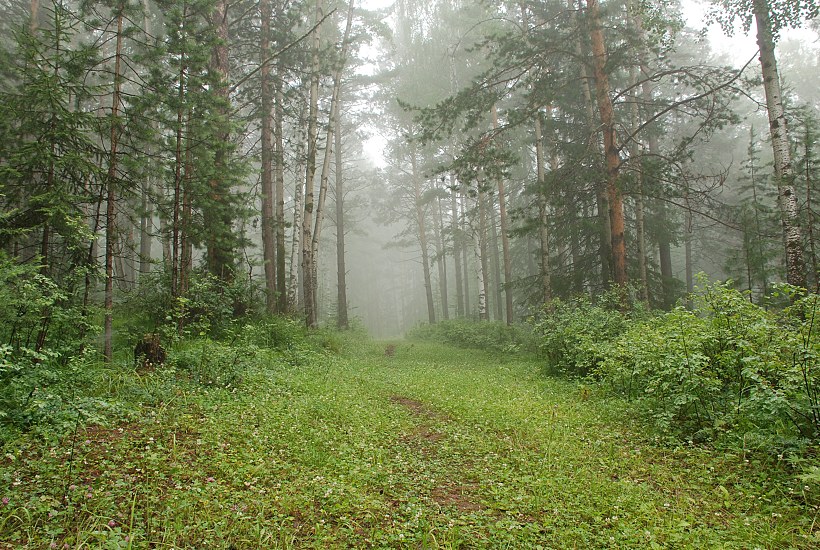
x: 424, y: 447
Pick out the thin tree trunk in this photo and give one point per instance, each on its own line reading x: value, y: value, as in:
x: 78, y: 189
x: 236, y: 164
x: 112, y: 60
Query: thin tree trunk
x: 635, y: 153
x: 279, y: 177
x: 178, y: 163
x: 483, y: 267
x: 454, y: 228
x: 543, y: 214
x: 34, y: 23
x: 495, y: 261
x: 616, y: 208
x: 602, y: 201
x: 185, y: 242
x: 268, y: 238
x: 308, y: 294
x: 687, y: 239
x: 296, y: 249
x: 464, y: 253
x: 342, y: 322
x: 421, y: 225
x: 335, y: 108
x: 809, y: 145
x: 505, y: 237
x: 441, y: 257
x: 783, y: 170
x: 110, y: 212
x: 218, y: 220
x: 759, y: 237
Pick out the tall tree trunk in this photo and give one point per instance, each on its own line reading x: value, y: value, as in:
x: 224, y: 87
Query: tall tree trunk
x: 296, y: 245
x: 279, y: 177
x: 653, y: 148
x: 186, y: 245
x: 110, y: 212
x: 311, y: 319
x: 464, y: 253
x: 342, y: 322
x: 268, y: 238
x: 543, y: 214
x: 421, y: 225
x: 687, y: 238
x: 482, y: 268
x: 441, y: 257
x: 495, y: 261
x: 505, y: 237
x: 635, y: 156
x: 809, y: 143
x: 456, y: 236
x: 218, y: 219
x: 601, y: 198
x: 34, y: 23
x: 335, y: 109
x: 783, y: 170
x: 616, y: 207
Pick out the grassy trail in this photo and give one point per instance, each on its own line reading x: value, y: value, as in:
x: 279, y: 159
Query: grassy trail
x: 431, y: 447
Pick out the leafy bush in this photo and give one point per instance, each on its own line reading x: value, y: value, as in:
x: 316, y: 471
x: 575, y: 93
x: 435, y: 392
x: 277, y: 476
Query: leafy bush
x: 494, y: 336
x: 273, y: 332
x: 42, y: 357
x: 208, y: 308
x: 575, y: 336
x: 214, y: 364
x: 729, y: 370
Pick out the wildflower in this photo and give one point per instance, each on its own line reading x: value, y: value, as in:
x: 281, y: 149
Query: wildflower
x: 112, y: 523
x: 5, y: 500
x: 210, y: 479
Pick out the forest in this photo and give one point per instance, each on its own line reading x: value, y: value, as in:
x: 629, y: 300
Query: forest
x: 409, y: 274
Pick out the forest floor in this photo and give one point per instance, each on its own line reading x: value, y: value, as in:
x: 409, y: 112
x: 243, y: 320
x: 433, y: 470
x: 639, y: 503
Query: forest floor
x: 417, y: 446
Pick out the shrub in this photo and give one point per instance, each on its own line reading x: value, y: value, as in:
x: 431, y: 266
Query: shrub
x: 208, y: 308
x: 729, y: 370
x: 41, y: 348
x: 494, y: 336
x: 214, y: 364
x: 575, y: 336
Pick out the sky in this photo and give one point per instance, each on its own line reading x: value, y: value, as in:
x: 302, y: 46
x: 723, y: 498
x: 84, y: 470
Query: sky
x: 739, y: 47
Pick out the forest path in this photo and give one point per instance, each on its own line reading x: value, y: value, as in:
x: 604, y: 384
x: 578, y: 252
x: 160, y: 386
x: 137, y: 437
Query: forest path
x: 416, y: 446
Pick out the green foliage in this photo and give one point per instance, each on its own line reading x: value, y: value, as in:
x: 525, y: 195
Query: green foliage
x: 214, y: 364
x: 209, y: 308
x: 434, y: 447
x: 729, y: 371
x: 41, y: 343
x: 491, y: 336
x: 575, y: 336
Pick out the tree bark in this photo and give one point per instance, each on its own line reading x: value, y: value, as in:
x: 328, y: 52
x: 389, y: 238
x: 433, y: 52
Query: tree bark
x: 493, y: 257
x: 218, y: 220
x: 456, y: 236
x: 543, y: 214
x: 602, y: 201
x: 342, y: 321
x: 616, y: 208
x: 110, y: 212
x: 279, y: 176
x: 482, y: 264
x: 308, y: 294
x: 441, y: 256
x: 422, y: 234
x: 635, y: 158
x: 335, y: 108
x: 783, y: 169
x: 505, y: 237
x: 268, y: 238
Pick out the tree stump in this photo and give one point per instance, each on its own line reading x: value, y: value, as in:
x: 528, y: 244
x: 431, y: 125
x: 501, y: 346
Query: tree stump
x: 149, y: 353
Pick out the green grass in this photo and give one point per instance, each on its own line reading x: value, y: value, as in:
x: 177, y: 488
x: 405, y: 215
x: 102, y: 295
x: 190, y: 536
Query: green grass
x: 433, y: 447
